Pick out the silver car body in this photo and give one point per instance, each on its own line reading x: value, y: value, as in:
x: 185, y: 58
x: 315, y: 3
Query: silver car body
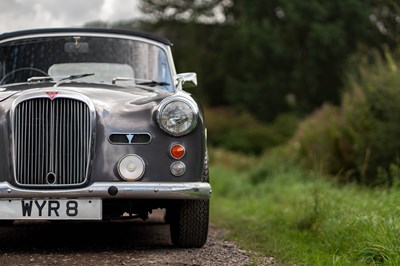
x: 64, y: 139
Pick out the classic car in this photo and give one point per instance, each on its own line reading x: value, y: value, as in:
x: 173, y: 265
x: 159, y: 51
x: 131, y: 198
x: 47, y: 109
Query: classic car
x: 95, y: 125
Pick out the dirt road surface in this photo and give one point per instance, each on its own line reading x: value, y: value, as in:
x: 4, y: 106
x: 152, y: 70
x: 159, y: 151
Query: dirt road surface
x: 118, y: 243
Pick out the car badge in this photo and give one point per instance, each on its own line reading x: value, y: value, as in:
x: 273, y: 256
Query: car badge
x: 52, y: 94
x: 129, y: 137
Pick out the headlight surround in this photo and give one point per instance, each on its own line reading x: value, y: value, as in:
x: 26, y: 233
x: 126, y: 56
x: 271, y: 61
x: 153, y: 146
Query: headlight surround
x: 177, y: 116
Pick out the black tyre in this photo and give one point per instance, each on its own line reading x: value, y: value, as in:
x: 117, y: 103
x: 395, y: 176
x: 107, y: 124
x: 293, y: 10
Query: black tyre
x: 6, y: 223
x: 189, y: 223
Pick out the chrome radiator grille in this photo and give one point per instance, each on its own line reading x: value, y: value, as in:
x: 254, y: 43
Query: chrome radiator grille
x: 52, y: 141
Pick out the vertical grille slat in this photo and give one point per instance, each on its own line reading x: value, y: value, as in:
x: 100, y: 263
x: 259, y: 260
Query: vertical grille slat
x: 28, y: 143
x: 35, y: 152
x: 74, y: 140
x: 51, y: 141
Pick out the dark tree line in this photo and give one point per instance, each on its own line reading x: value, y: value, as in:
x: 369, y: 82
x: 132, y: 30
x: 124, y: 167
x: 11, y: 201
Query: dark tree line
x: 274, y: 56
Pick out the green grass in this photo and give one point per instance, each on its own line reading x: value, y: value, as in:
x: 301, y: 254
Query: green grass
x: 275, y: 208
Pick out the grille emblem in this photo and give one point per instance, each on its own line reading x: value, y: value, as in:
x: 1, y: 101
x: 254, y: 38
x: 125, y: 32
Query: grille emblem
x: 130, y: 137
x: 52, y: 94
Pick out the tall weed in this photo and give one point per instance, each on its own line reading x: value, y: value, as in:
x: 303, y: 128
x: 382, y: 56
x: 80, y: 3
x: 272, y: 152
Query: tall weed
x: 359, y: 140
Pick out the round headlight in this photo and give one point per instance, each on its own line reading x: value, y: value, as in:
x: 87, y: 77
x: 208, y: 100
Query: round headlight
x: 177, y: 117
x: 131, y: 167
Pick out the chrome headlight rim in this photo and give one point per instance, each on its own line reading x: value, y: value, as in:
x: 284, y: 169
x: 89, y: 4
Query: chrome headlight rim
x: 193, y: 107
x: 140, y: 163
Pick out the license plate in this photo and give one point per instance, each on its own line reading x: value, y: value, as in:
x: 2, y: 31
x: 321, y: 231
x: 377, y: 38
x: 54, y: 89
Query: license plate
x: 51, y: 209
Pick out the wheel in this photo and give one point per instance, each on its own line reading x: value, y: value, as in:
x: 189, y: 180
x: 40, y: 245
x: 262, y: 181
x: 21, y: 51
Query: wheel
x: 189, y: 223
x: 30, y: 69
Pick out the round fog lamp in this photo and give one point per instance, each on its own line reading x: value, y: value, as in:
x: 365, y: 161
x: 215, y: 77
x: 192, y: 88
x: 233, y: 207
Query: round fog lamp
x: 131, y: 167
x: 178, y: 168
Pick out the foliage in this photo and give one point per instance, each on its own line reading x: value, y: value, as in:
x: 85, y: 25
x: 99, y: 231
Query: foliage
x: 294, y: 56
x: 358, y: 140
x: 270, y: 57
x: 300, y: 218
x: 239, y: 131
x: 181, y: 10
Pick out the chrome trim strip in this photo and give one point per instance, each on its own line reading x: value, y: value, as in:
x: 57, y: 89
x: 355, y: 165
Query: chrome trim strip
x: 126, y: 190
x: 127, y: 133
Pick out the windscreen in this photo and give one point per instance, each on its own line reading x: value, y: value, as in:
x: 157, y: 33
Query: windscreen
x: 111, y: 60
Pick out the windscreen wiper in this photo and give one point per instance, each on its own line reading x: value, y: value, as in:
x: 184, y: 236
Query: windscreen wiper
x: 152, y: 83
x: 72, y: 77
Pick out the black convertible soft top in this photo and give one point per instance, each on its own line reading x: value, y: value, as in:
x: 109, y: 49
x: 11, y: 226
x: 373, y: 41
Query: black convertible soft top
x: 85, y: 30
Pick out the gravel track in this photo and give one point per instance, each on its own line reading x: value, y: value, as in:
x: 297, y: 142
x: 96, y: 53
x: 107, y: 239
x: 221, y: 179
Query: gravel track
x: 117, y: 243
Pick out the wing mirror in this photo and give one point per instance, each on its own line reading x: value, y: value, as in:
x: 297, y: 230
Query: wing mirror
x: 186, y: 80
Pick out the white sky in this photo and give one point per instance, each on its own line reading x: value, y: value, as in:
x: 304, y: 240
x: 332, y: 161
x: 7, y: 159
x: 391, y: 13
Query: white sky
x: 28, y: 14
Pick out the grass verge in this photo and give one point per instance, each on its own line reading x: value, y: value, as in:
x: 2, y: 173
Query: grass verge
x: 275, y: 208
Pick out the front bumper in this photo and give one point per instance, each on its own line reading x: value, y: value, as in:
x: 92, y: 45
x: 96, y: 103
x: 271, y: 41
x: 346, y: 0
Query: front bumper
x: 115, y: 190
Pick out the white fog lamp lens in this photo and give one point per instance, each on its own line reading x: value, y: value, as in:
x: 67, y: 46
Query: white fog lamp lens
x: 131, y: 167
x: 177, y: 118
x: 178, y: 168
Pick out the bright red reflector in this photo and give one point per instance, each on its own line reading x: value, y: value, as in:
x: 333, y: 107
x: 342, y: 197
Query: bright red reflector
x: 177, y: 151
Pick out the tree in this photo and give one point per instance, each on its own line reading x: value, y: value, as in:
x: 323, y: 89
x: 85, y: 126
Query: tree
x: 273, y: 56
x: 201, y: 11
x: 297, y: 50
x: 194, y: 29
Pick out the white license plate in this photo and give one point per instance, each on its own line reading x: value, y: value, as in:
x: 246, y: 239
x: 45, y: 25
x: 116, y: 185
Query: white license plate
x: 51, y: 209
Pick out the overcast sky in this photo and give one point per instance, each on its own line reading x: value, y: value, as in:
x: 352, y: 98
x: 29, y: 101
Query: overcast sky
x: 27, y: 14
